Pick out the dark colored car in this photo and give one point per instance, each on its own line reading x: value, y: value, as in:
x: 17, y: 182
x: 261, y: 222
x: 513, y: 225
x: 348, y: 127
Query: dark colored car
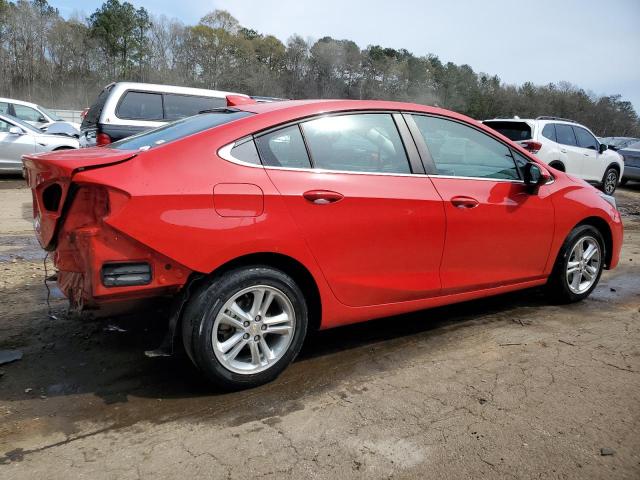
x: 631, y: 156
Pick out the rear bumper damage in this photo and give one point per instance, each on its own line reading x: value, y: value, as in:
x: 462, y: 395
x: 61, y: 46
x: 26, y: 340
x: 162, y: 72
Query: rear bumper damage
x: 98, y: 265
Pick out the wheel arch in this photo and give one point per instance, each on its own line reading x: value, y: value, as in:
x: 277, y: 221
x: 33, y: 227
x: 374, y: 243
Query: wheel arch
x: 558, y: 165
x: 292, y: 267
x: 603, y: 227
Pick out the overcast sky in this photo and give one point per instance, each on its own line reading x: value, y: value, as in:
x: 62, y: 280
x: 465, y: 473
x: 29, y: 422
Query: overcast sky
x: 593, y: 44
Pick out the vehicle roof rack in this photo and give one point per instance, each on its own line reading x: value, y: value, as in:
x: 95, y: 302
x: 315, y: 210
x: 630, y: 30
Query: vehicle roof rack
x: 546, y: 117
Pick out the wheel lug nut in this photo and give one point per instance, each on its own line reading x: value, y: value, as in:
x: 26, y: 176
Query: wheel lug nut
x: 256, y: 338
x: 246, y: 324
x: 245, y: 336
x: 264, y: 327
x: 258, y: 318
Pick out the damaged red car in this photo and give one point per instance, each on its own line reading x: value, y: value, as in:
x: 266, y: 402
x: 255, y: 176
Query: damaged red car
x: 267, y: 221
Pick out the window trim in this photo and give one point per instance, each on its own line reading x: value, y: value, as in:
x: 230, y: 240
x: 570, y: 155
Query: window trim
x: 424, y: 156
x: 431, y: 163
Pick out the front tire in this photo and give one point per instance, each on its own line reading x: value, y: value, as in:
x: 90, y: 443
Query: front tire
x: 578, y: 267
x: 610, y: 181
x: 245, y: 327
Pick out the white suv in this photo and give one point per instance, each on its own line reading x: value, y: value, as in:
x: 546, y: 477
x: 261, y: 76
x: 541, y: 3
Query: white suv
x: 565, y: 145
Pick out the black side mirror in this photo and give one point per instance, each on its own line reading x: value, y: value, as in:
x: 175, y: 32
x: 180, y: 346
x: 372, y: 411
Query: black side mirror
x: 534, y: 176
x: 602, y: 148
x: 42, y: 119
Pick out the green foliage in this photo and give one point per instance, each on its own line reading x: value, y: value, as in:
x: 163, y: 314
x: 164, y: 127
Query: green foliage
x: 65, y: 62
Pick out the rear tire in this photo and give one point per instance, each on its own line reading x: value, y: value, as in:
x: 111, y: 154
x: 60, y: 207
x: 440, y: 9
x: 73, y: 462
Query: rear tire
x: 624, y: 181
x: 610, y: 181
x: 245, y: 327
x: 578, y: 267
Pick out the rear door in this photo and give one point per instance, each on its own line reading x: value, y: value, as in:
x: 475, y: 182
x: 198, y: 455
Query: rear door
x: 497, y: 233
x: 575, y: 157
x: 375, y: 228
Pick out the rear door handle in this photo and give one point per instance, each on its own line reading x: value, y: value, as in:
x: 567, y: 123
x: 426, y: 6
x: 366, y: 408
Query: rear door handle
x: 322, y: 197
x: 563, y: 150
x: 464, y: 202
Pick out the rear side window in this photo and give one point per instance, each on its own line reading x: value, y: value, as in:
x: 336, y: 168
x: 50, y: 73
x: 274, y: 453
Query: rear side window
x: 549, y: 132
x: 515, y: 131
x: 180, y: 106
x: 367, y: 142
x: 178, y: 129
x: 462, y: 151
x: 585, y: 139
x: 93, y: 115
x: 246, y: 151
x: 283, y: 148
x: 140, y: 106
x: 564, y: 134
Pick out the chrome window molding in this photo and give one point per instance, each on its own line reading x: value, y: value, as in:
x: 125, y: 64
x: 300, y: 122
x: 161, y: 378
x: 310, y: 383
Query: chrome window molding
x: 225, y: 154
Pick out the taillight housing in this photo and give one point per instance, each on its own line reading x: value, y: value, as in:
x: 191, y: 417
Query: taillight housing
x: 532, y: 146
x: 102, y: 139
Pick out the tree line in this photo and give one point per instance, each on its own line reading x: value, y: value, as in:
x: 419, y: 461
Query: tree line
x: 65, y: 62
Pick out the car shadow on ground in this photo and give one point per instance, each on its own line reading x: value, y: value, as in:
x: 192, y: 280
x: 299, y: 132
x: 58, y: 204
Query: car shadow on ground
x: 72, y: 356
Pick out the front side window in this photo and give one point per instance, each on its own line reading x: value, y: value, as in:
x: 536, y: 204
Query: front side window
x: 4, y: 126
x: 462, y: 151
x: 27, y: 114
x: 283, y: 148
x: 564, y: 134
x: 367, y: 142
x: 180, y: 106
x: 140, y: 106
x: 177, y: 130
x: 4, y: 108
x: 585, y: 139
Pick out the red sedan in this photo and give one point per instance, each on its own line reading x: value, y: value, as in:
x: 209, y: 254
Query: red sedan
x: 266, y: 221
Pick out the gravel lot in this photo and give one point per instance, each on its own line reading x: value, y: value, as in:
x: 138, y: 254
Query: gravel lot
x: 508, y: 387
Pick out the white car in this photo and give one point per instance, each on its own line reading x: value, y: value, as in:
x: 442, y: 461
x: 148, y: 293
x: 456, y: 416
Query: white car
x: 18, y: 138
x: 32, y: 113
x: 565, y: 145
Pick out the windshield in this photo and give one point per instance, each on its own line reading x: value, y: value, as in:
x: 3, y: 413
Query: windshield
x: 635, y: 146
x: 515, y: 131
x: 179, y: 129
x: 23, y: 125
x: 50, y: 114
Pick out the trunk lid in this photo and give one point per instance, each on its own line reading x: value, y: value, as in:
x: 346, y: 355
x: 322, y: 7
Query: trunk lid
x: 49, y: 177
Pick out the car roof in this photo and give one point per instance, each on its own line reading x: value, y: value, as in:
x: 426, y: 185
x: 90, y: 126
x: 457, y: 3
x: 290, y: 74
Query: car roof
x: 155, y: 87
x: 19, y: 102
x: 302, y: 108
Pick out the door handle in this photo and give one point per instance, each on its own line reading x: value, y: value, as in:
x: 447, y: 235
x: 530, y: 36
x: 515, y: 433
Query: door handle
x: 464, y: 202
x: 563, y: 150
x: 322, y: 197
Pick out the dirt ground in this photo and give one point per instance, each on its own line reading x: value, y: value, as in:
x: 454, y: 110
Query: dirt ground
x: 508, y: 387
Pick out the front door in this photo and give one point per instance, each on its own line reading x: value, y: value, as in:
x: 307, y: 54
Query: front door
x: 497, y: 232
x: 376, y: 230
x: 12, y: 147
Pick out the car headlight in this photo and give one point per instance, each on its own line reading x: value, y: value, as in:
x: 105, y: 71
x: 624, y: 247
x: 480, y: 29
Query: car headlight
x: 610, y: 200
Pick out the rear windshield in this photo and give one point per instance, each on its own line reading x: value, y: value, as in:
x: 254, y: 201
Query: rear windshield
x: 515, y: 131
x: 178, y: 129
x: 93, y: 115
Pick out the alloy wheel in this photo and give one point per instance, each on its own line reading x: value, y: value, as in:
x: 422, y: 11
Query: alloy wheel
x: 253, y: 329
x: 583, y: 265
x: 610, y: 182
